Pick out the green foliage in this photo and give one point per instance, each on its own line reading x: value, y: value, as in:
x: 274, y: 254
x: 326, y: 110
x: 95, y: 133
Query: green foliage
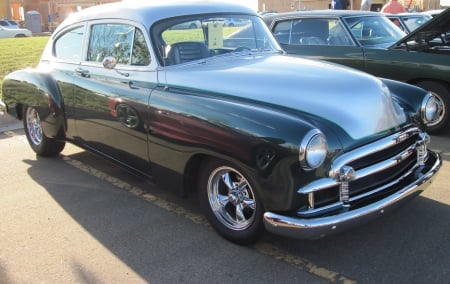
x: 171, y: 36
x: 20, y: 53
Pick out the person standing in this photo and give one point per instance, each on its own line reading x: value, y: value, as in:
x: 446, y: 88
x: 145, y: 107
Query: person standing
x: 339, y: 4
x: 393, y: 7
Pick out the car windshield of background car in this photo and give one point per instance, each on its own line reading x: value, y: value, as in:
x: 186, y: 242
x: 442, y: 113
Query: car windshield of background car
x: 376, y: 31
x: 413, y: 23
x: 211, y: 35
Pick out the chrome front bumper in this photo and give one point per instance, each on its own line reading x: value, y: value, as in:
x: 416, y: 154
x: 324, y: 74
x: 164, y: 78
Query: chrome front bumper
x: 314, y: 228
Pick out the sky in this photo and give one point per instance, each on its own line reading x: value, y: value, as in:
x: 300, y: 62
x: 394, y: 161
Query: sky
x: 254, y: 3
x: 445, y: 3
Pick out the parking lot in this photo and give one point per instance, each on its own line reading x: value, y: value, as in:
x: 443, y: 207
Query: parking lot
x: 80, y: 219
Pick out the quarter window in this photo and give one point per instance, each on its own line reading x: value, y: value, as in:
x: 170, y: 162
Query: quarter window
x: 69, y: 45
x: 124, y: 42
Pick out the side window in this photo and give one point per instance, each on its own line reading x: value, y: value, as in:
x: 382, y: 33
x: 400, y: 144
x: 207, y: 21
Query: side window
x: 140, y: 55
x: 69, y: 46
x: 282, y: 32
x: 124, y: 42
x: 337, y: 35
x: 310, y: 32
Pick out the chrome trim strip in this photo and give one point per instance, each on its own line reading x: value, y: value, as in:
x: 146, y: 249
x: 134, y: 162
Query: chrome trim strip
x: 323, y: 226
x: 339, y: 204
x: 369, y: 149
x: 381, y: 166
x: 317, y: 185
x: 322, y: 210
x: 378, y: 189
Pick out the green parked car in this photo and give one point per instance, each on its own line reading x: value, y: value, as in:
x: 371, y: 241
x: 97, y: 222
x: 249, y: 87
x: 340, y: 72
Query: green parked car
x: 369, y: 41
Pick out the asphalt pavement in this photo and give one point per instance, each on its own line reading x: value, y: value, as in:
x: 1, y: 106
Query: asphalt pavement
x: 79, y: 219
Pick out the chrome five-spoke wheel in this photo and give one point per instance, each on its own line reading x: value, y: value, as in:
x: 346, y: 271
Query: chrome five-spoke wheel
x: 33, y: 126
x: 39, y: 142
x: 231, y: 198
x: 231, y: 202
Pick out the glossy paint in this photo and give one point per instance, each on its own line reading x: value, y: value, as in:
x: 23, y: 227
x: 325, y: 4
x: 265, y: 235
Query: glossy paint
x: 250, y: 109
x: 406, y: 60
x: 343, y: 107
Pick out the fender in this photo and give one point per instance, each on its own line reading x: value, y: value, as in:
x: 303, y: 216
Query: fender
x: 41, y: 91
x: 408, y: 96
x: 255, y: 137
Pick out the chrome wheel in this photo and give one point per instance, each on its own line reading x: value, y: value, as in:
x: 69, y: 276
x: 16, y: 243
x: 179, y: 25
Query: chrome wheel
x: 34, y: 126
x: 231, y: 198
x: 39, y: 142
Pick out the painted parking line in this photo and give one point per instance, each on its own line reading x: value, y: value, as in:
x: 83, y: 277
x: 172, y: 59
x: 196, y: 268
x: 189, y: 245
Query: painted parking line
x: 261, y: 247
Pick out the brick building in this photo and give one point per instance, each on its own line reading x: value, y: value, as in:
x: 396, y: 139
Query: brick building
x: 52, y: 12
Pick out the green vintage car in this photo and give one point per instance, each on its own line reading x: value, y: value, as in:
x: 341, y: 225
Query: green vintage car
x: 224, y: 114
x: 370, y: 42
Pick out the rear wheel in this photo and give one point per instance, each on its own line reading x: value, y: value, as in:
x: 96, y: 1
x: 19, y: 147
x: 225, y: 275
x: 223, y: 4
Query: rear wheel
x: 442, y: 93
x: 231, y: 202
x: 40, y: 144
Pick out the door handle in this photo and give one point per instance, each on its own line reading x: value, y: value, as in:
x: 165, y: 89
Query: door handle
x: 83, y: 72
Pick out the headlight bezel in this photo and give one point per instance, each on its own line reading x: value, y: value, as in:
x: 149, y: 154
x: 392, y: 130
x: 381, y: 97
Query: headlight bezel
x: 430, y: 108
x: 313, y: 150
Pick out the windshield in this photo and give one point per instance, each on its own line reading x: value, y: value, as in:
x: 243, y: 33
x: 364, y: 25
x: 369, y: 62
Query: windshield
x: 374, y: 31
x: 181, y: 40
x: 413, y: 22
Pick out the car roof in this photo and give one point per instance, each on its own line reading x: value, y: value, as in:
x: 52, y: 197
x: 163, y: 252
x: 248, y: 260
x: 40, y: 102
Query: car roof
x: 430, y: 29
x: 318, y: 13
x: 149, y: 12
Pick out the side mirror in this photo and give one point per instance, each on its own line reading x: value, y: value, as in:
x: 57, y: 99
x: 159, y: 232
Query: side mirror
x: 109, y: 62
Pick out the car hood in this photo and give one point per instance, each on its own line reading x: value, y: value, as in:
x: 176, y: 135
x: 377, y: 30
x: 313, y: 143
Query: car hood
x: 428, y: 31
x: 358, y: 103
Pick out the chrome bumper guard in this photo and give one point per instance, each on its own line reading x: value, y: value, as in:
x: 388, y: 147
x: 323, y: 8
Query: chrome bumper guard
x: 314, y: 228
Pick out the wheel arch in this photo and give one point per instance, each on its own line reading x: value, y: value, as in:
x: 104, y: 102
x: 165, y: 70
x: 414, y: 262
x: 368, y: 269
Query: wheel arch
x: 41, y: 91
x: 416, y: 81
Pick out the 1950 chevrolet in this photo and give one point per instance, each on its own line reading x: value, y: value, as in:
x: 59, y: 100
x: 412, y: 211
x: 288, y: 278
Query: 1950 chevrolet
x: 301, y: 148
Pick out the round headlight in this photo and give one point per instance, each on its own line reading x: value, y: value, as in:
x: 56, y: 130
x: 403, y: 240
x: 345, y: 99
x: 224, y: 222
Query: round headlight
x: 431, y: 109
x: 313, y: 150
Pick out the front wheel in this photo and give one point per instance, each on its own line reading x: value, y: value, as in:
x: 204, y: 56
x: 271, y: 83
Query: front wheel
x: 442, y: 94
x: 231, y: 202
x: 40, y: 144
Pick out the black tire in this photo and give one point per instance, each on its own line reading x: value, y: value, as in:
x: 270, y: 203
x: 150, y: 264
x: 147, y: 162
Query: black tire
x: 41, y: 144
x: 442, y: 93
x: 235, y: 212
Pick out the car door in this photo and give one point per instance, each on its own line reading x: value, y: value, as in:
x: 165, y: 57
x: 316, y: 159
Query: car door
x: 319, y: 38
x: 114, y: 82
x: 63, y: 59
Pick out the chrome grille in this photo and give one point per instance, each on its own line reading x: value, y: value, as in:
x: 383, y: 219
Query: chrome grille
x: 376, y: 171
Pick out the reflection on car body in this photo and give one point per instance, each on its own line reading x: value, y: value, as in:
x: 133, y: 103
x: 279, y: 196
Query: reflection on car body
x: 223, y: 111
x: 370, y: 42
